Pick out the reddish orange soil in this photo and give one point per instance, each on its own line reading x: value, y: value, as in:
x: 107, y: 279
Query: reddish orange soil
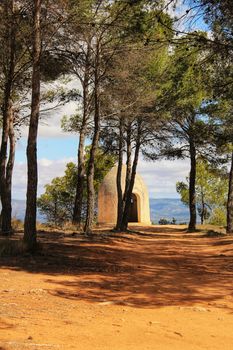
x: 160, y: 289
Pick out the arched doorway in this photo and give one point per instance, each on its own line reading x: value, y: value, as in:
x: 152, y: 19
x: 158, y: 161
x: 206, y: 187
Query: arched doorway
x: 133, y: 211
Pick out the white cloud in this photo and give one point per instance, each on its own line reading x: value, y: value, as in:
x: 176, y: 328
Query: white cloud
x: 48, y: 169
x: 50, y: 124
x: 161, y: 177
x: 50, y: 121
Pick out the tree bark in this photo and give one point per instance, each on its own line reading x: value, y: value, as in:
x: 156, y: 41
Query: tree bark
x: 95, y: 141
x: 230, y: 201
x: 128, y: 162
x: 77, y: 214
x: 202, y: 208
x: 119, y: 175
x: 9, y: 173
x: 6, y: 113
x: 192, y: 190
x: 6, y: 206
x: 32, y: 173
x: 125, y: 218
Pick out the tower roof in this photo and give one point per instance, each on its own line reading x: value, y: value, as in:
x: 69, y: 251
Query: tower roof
x: 108, y: 198
x: 109, y: 182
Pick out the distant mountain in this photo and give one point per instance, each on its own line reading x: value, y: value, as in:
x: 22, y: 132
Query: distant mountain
x: 168, y: 208
x: 165, y: 208
x: 18, y: 210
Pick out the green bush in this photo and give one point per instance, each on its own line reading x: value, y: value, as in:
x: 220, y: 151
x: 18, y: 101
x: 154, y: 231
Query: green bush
x: 163, y: 221
x: 218, y: 217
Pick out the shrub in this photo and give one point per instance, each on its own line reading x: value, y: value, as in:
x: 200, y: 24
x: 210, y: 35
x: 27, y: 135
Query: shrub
x: 17, y: 224
x: 163, y: 221
x: 218, y: 217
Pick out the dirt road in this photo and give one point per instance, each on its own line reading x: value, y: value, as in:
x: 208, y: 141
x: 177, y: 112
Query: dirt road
x: 161, y: 289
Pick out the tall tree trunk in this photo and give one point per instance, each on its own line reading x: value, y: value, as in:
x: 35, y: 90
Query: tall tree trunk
x: 230, y: 200
x: 94, y: 146
x: 119, y: 175
x: 9, y: 172
x: 192, y: 190
x: 6, y: 112
x: 128, y: 162
x: 32, y: 174
x: 125, y: 218
x: 6, y: 206
x: 77, y: 214
x: 202, y: 208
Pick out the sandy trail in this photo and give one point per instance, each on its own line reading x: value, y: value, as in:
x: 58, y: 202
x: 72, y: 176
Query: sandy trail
x: 162, y: 289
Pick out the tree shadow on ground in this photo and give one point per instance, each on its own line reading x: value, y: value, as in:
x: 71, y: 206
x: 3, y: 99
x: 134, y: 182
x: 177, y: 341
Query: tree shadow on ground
x: 140, y: 271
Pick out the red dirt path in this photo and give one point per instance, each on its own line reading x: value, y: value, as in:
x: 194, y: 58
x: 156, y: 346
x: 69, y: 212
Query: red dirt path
x: 160, y: 289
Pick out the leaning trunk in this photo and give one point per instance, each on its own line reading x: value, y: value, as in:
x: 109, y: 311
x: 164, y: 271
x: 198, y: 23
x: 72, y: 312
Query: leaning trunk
x: 230, y: 200
x: 125, y: 219
x: 119, y: 176
x: 94, y: 146
x: 192, y: 191
x: 32, y: 174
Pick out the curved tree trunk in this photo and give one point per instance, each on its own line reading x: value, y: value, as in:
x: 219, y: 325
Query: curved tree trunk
x: 230, y: 200
x: 192, y: 190
x: 125, y: 219
x: 32, y: 174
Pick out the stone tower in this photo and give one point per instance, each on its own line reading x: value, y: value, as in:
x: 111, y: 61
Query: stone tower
x: 107, y: 199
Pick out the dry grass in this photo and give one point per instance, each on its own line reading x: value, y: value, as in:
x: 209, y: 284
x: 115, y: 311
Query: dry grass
x: 212, y: 230
x: 17, y: 225
x: 12, y: 247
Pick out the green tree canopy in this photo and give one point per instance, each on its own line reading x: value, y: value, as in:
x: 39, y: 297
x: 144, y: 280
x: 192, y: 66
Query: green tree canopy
x: 56, y: 204
x: 211, y: 193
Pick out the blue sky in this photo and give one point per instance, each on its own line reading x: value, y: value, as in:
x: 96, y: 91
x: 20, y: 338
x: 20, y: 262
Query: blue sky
x: 55, y: 151
x: 52, y: 148
x: 56, y: 148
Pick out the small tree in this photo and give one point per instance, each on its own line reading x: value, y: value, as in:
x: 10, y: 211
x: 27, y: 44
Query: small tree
x: 57, y: 202
x: 189, y: 132
x: 211, y: 192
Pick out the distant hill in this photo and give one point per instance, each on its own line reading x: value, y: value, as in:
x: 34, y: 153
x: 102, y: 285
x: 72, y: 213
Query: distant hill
x: 18, y: 210
x: 165, y: 208
x: 168, y: 208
